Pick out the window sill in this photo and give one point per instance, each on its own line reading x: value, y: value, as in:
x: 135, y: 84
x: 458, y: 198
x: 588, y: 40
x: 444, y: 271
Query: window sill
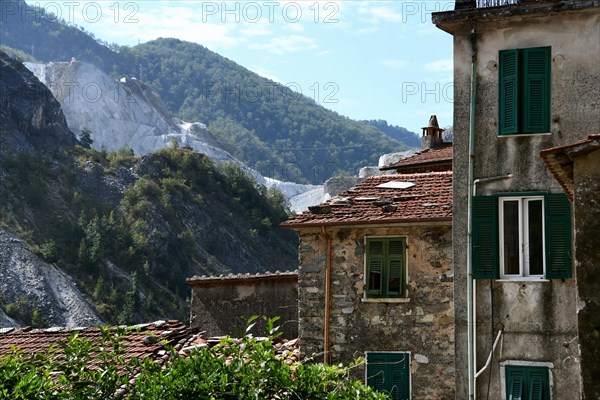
x: 509, y: 135
x: 523, y: 279
x: 385, y: 300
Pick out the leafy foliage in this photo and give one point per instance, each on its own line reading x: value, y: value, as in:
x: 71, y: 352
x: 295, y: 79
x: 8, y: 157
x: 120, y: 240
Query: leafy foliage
x: 249, y: 368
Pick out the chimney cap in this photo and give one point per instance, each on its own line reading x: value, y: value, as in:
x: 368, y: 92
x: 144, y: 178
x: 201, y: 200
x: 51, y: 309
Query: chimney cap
x: 433, y: 123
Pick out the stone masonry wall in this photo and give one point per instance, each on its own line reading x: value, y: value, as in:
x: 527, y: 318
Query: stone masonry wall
x: 421, y: 325
x: 221, y: 308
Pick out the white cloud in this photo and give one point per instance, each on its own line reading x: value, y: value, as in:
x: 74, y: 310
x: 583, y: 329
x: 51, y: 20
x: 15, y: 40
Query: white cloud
x: 381, y: 13
x: 394, y: 63
x: 265, y: 74
x: 286, y: 44
x: 440, y: 65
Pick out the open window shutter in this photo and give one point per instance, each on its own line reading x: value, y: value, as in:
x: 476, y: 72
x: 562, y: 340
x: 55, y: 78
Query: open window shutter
x: 376, y: 365
x: 400, y: 376
x: 515, y: 383
x: 484, y: 252
x: 508, y: 92
x: 375, y: 264
x: 558, y: 237
x: 396, y: 259
x: 536, y: 90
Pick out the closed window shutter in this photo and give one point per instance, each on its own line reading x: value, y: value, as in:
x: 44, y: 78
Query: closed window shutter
x: 508, y: 92
x: 375, y: 267
x: 484, y: 252
x: 376, y: 371
x: 536, y: 386
x: 515, y: 384
x: 536, y: 90
x: 400, y: 376
x: 396, y: 259
x: 558, y: 237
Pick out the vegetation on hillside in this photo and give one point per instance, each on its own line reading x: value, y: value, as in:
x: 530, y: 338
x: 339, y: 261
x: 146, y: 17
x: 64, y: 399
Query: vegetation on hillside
x: 275, y: 130
x: 245, y: 369
x: 178, y: 218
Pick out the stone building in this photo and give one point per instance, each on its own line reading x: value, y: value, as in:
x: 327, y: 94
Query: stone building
x: 577, y: 168
x: 525, y: 79
x: 221, y: 305
x: 375, y: 281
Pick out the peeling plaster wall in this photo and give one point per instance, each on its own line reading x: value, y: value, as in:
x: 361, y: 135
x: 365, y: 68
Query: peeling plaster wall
x: 422, y: 326
x: 587, y: 243
x: 222, y: 308
x: 534, y: 332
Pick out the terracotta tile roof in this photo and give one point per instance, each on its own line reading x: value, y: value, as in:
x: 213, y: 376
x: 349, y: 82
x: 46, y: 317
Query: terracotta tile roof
x: 236, y: 278
x: 429, y: 198
x: 559, y: 160
x: 141, y: 341
x: 436, y: 159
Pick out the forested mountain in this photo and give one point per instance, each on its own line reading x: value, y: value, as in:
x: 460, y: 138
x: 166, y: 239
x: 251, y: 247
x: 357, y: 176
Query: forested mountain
x: 397, y: 132
x: 274, y: 130
x: 113, y: 231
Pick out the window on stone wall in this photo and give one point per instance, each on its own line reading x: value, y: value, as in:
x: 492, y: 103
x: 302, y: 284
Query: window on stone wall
x: 526, y: 382
x: 385, y: 267
x: 389, y: 373
x: 522, y: 236
x: 524, y: 91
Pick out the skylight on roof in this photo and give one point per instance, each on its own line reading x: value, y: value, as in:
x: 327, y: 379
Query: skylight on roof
x: 396, y: 185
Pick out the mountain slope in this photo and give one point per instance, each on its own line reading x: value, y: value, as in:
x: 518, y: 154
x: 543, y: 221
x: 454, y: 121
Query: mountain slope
x: 127, y: 230
x: 278, y: 132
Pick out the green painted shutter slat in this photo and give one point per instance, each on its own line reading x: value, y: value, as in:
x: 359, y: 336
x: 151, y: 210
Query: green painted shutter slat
x: 536, y: 90
x: 375, y: 266
x: 558, y: 237
x: 396, y: 260
x: 484, y: 254
x: 536, y: 388
x: 508, y: 92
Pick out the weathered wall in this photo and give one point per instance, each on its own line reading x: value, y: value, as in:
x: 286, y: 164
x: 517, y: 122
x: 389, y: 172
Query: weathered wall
x: 574, y: 114
x: 421, y: 325
x: 587, y: 243
x: 221, y: 308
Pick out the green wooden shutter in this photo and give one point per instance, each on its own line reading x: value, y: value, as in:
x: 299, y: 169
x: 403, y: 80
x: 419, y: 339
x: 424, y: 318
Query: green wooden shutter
x: 376, y: 363
x: 389, y: 373
x: 400, y: 376
x: 484, y: 251
x: 515, y: 383
x: 536, y: 90
x: 396, y: 260
x: 375, y: 267
x: 508, y: 92
x: 558, y: 237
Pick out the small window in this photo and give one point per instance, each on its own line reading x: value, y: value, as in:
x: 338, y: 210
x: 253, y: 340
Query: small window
x: 389, y: 373
x: 517, y: 236
x: 527, y: 383
x: 524, y: 91
x: 385, y: 267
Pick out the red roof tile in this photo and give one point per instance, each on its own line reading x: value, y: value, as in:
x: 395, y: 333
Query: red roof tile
x: 431, y: 158
x: 430, y: 199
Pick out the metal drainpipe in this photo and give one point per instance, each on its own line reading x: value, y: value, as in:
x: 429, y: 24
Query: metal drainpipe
x: 470, y: 287
x: 327, y: 296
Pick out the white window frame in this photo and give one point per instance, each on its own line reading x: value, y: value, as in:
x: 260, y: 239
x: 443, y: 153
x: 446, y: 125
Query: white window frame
x: 523, y: 202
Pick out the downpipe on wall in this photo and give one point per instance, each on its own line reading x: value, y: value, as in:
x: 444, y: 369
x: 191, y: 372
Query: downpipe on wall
x: 327, y: 296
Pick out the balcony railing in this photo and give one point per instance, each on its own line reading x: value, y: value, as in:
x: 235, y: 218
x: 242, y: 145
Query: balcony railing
x: 495, y: 3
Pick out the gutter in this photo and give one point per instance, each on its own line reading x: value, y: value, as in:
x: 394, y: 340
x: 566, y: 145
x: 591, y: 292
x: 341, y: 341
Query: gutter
x: 327, y: 296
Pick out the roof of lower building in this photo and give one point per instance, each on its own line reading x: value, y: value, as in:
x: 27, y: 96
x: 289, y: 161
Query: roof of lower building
x: 560, y: 160
x: 386, y: 199
x: 435, y: 159
x: 237, y: 278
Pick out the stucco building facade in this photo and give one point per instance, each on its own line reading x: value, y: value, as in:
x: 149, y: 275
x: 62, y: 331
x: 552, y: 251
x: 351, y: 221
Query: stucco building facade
x: 525, y: 79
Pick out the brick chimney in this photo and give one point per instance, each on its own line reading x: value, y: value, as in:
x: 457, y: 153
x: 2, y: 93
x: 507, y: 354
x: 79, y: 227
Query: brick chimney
x: 432, y: 134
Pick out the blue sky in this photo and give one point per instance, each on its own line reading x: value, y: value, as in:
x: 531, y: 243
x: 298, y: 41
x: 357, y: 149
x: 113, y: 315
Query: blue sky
x: 363, y: 59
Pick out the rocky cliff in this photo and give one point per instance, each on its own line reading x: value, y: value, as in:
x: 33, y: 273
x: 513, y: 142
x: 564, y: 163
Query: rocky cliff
x: 88, y: 237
